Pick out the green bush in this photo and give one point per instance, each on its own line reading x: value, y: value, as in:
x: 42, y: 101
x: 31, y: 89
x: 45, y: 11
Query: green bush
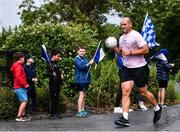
x: 9, y: 103
x: 170, y: 91
x: 177, y: 76
x: 43, y: 100
x: 104, y: 84
x: 153, y: 83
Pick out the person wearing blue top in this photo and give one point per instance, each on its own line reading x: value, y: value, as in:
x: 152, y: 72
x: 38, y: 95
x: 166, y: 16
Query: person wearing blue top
x: 31, y: 79
x: 163, y: 68
x: 82, y: 79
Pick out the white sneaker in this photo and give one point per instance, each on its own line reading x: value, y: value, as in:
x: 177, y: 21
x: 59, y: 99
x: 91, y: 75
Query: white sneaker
x: 143, y: 107
x: 130, y: 110
x: 118, y: 110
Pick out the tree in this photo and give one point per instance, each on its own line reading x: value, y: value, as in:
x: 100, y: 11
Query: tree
x: 79, y: 11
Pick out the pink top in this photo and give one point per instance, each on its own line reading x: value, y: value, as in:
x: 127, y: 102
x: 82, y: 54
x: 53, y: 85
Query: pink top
x: 132, y: 41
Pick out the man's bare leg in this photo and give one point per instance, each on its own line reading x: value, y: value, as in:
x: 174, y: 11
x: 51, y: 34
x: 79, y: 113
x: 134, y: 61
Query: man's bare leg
x: 126, y: 91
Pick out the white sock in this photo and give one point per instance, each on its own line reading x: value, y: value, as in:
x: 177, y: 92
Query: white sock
x: 125, y: 115
x: 141, y: 103
x: 156, y: 108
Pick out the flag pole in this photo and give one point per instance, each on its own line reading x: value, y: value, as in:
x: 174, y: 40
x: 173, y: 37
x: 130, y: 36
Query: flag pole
x: 48, y: 59
x: 93, y: 58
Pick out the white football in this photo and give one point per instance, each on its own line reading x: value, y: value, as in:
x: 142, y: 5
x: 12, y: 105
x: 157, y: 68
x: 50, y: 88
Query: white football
x: 111, y: 42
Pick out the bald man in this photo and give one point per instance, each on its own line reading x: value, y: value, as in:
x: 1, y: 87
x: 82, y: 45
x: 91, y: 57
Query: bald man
x: 135, y: 72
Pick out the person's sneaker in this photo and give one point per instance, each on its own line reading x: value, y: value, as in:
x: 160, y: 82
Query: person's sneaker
x: 80, y: 114
x: 122, y: 122
x: 157, y: 115
x: 118, y: 110
x: 163, y: 105
x: 52, y: 117
x: 130, y: 110
x: 58, y: 116
x: 143, y: 108
x: 85, y: 113
x: 20, y: 119
x: 28, y: 118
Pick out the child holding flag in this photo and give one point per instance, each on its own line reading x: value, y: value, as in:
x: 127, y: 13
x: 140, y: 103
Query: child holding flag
x: 82, y: 79
x: 163, y: 68
x: 55, y: 82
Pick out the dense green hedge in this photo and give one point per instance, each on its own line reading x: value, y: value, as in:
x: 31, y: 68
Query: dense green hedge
x: 8, y: 104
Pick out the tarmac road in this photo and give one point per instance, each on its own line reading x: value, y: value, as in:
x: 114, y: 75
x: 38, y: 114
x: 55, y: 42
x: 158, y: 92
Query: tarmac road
x: 139, y: 121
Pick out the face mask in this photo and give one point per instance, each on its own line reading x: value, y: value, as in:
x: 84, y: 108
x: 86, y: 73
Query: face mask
x: 28, y: 63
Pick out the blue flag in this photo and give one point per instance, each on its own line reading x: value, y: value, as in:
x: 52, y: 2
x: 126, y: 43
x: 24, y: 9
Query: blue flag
x: 120, y: 61
x: 44, y: 54
x: 148, y: 32
x: 161, y: 54
x: 99, y: 55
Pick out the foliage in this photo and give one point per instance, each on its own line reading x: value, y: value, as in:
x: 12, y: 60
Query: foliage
x: 104, y: 84
x: 170, y: 92
x: 43, y: 100
x: 57, y: 11
x: 110, y: 30
x: 153, y: 84
x: 177, y: 77
x: 4, y: 34
x: 9, y: 103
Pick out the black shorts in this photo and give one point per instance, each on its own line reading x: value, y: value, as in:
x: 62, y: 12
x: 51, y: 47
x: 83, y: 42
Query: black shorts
x: 139, y: 75
x: 82, y: 87
x: 163, y: 83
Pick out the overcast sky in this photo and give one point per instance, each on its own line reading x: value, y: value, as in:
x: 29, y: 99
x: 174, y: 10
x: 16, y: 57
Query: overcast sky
x: 9, y: 9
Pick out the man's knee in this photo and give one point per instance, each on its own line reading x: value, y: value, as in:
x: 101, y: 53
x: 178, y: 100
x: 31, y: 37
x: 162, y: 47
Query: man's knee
x: 144, y: 91
x: 126, y: 92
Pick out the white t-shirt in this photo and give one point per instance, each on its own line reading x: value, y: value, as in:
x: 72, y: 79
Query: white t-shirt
x: 132, y: 41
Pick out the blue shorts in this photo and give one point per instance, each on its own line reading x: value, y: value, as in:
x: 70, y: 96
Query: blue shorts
x: 22, y: 94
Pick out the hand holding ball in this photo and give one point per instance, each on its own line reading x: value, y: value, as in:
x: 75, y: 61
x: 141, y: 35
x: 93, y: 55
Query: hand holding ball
x: 111, y: 42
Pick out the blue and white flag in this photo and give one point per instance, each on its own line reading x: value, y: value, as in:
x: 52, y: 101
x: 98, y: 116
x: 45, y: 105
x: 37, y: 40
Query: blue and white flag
x: 44, y: 54
x: 148, y: 32
x: 120, y: 60
x: 161, y: 54
x: 99, y: 55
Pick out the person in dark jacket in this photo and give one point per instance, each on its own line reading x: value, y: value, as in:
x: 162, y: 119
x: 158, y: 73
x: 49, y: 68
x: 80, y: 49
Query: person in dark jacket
x: 30, y: 71
x: 163, y: 68
x: 82, y: 79
x: 55, y: 81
